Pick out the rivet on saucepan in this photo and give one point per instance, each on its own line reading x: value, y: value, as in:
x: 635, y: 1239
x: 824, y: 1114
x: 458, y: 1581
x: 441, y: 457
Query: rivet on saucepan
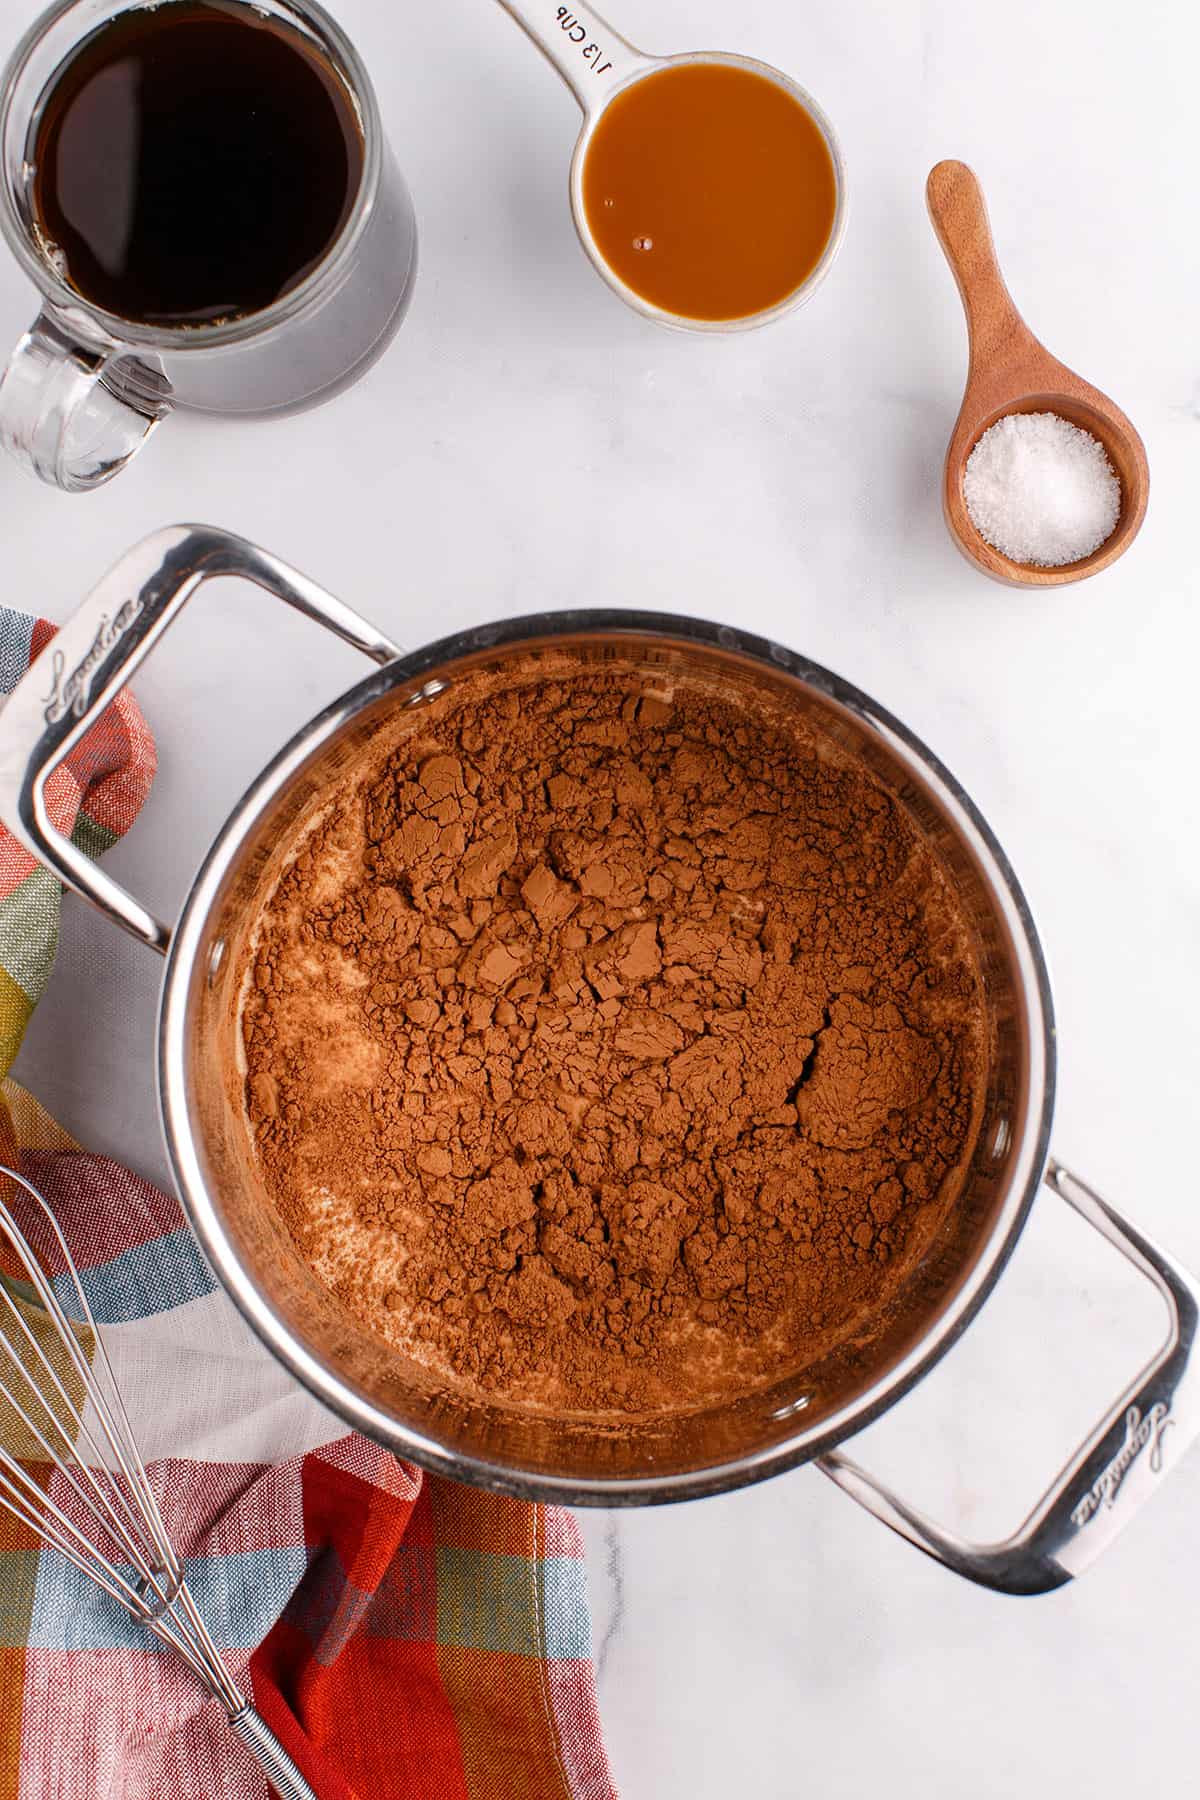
x: 793, y: 1406
x: 216, y: 957
x: 1001, y: 1139
x: 430, y: 691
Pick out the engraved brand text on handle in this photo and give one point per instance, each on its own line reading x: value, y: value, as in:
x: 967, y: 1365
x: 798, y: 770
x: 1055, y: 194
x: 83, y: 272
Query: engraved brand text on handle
x: 578, y: 34
x: 1140, y: 1433
x: 70, y: 693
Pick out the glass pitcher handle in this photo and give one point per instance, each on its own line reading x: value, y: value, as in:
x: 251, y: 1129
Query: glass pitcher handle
x: 75, y: 414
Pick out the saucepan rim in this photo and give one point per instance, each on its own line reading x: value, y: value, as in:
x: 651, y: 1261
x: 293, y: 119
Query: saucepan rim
x: 425, y: 665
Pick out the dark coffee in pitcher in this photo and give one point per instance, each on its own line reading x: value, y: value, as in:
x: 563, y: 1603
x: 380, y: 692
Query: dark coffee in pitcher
x: 193, y: 163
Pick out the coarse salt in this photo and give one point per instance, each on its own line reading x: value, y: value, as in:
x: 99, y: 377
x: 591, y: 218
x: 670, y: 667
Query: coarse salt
x: 1040, y: 490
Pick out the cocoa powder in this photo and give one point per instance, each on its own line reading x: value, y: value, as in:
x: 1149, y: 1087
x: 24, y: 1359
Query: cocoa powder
x: 612, y: 1045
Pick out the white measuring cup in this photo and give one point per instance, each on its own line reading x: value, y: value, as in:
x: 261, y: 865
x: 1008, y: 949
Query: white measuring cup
x: 597, y: 64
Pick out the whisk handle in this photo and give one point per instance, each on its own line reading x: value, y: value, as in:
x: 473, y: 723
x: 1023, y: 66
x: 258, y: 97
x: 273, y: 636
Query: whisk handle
x: 271, y: 1756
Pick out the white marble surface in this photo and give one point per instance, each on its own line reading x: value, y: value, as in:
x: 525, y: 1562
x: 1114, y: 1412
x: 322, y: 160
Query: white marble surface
x: 526, y: 443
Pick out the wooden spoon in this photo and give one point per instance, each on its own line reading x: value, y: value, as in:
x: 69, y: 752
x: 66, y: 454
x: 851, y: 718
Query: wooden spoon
x: 1011, y: 372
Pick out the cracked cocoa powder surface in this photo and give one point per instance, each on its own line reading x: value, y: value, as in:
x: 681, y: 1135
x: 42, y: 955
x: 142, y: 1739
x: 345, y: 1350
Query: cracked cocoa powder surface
x: 611, y: 1045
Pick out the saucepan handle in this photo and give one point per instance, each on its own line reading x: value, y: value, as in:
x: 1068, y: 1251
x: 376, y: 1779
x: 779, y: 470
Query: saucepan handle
x: 1110, y: 1476
x: 89, y: 661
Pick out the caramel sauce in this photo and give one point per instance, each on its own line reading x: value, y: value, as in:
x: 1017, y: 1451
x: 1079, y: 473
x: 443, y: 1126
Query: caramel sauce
x: 710, y: 191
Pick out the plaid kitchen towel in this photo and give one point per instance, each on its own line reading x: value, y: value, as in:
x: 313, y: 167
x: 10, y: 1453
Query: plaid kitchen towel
x: 93, y: 797
x: 402, y: 1635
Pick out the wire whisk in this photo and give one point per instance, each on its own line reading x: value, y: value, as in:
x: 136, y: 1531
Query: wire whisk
x: 60, y: 1404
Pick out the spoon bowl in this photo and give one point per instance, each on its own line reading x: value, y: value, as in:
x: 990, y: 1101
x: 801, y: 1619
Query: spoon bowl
x: 1011, y: 372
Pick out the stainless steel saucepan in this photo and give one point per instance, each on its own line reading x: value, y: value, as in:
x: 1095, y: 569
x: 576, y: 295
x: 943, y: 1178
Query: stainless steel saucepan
x: 806, y: 1413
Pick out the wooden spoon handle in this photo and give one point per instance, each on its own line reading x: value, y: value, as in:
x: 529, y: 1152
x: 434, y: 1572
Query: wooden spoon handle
x: 998, y: 334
